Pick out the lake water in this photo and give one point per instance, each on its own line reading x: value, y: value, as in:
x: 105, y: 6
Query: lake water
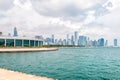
x: 67, y: 63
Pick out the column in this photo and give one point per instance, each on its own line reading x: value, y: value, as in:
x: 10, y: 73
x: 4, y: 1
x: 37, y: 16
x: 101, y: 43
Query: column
x: 14, y: 42
x: 5, y: 43
x: 34, y: 43
x: 22, y: 43
x: 29, y: 43
x: 38, y: 43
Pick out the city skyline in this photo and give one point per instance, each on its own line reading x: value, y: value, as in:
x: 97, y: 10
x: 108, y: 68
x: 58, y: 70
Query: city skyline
x: 74, y: 39
x: 79, y: 40
x: 95, y: 19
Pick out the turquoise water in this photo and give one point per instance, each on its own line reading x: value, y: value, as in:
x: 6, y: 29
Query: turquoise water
x: 67, y: 63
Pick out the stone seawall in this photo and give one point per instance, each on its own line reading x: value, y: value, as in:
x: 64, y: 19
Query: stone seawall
x: 13, y: 50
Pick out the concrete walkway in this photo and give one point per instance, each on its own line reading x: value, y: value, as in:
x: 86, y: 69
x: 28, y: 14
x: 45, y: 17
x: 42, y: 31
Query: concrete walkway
x: 12, y: 50
x: 12, y: 75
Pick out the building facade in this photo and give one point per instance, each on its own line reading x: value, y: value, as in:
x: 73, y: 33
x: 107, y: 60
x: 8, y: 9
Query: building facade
x: 19, y: 42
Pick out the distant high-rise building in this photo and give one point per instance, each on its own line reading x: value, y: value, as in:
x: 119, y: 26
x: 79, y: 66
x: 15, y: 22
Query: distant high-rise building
x: 101, y: 42
x: 53, y: 40
x: 106, y: 43
x: 76, y: 38
x: 56, y: 41
x: 9, y: 34
x: 40, y: 37
x: 82, y: 41
x: 64, y: 42
x: 0, y: 33
x: 48, y: 41
x: 60, y: 42
x: 115, y: 42
x: 15, y: 31
x: 72, y: 40
x: 37, y: 37
x: 88, y: 41
x: 94, y: 43
x: 67, y: 39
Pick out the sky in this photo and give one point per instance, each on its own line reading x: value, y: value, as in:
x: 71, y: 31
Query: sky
x: 93, y: 18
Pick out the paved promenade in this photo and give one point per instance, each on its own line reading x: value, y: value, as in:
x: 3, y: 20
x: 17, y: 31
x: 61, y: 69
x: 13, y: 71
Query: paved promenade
x: 12, y: 50
x: 12, y: 75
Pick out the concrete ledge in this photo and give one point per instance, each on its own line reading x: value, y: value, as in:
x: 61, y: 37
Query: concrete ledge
x: 12, y: 75
x: 13, y: 50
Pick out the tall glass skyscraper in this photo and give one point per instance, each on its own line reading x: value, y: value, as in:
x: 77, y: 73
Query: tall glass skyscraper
x: 82, y: 41
x: 67, y: 39
x: 15, y: 31
x: 72, y: 40
x: 76, y: 38
x: 53, y: 38
x: 106, y: 43
x: 101, y: 42
x: 115, y: 42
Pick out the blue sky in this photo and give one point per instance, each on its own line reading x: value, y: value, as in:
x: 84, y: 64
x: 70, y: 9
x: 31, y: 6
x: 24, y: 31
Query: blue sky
x: 93, y: 18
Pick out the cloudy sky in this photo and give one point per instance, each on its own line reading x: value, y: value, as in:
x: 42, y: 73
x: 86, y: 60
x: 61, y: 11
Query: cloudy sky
x: 93, y: 18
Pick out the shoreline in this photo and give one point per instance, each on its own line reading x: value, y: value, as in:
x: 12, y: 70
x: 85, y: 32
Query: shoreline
x: 18, y: 50
x: 14, y: 75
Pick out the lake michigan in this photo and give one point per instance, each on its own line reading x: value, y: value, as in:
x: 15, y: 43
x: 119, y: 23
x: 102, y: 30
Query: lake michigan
x: 67, y: 63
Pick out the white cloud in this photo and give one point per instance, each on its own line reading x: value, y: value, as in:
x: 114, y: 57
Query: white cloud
x: 5, y: 4
x: 90, y: 17
x: 115, y: 3
x: 25, y: 5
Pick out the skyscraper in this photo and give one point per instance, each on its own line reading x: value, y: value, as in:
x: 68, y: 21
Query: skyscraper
x: 40, y: 37
x: 15, y: 31
x: 82, y: 41
x: 9, y: 34
x: 53, y: 38
x: 94, y: 43
x: 0, y: 33
x: 106, y: 43
x: 101, y: 42
x: 76, y: 38
x: 115, y: 42
x: 64, y: 42
x: 67, y: 39
x: 72, y: 40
